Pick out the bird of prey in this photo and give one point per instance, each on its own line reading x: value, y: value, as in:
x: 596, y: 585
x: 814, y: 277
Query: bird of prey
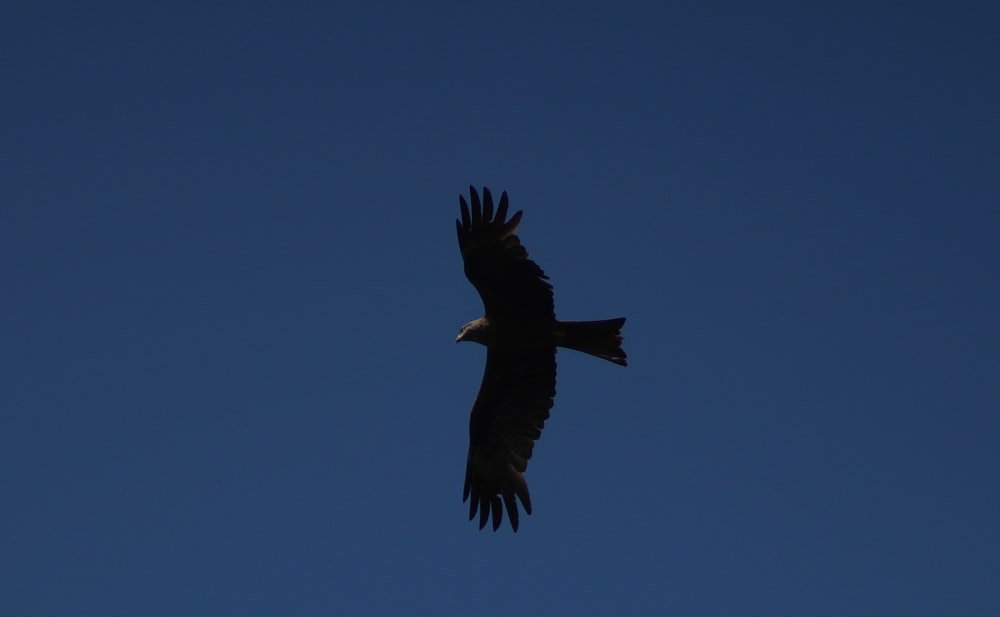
x: 521, y: 334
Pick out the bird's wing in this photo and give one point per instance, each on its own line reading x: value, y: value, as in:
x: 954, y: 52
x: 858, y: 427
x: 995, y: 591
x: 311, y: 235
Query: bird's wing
x: 519, y: 380
x: 512, y: 286
x: 508, y: 416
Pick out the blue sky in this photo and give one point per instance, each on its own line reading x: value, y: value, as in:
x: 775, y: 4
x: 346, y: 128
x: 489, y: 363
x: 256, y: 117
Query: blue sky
x: 231, y: 290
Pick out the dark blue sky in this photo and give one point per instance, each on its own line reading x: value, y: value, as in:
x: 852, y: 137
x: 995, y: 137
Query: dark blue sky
x: 231, y: 288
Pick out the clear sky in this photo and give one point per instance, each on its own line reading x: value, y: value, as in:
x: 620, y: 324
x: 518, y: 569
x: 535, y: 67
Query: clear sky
x: 231, y: 286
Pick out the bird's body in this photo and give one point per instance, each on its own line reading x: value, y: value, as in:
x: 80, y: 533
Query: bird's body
x: 521, y: 334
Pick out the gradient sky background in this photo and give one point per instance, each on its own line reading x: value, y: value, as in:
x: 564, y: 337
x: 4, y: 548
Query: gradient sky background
x: 231, y: 288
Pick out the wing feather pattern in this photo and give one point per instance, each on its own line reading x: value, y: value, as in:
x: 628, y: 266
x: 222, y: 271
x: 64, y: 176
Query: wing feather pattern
x: 519, y: 380
x: 511, y: 285
x: 508, y: 416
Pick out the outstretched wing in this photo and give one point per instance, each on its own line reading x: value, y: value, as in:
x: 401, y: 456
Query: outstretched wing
x: 508, y: 416
x: 511, y: 285
x: 519, y: 381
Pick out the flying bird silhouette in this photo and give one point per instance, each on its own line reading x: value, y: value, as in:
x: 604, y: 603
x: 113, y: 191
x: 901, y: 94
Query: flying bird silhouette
x: 521, y: 334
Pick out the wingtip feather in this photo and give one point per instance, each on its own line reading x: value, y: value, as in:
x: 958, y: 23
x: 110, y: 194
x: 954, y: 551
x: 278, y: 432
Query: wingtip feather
x: 465, y: 211
x: 511, y: 504
x: 502, y: 208
x: 514, y: 221
x: 484, y: 510
x: 473, y: 506
x: 477, y: 210
x: 497, y: 513
x: 487, y: 205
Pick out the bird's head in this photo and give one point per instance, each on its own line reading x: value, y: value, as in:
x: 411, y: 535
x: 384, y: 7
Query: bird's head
x: 474, y: 331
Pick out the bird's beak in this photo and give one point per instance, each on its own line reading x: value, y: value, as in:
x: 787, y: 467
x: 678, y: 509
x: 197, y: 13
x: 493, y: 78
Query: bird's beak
x: 458, y: 339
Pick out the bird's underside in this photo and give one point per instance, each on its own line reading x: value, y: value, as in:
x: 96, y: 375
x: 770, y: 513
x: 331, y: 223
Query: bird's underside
x: 521, y: 334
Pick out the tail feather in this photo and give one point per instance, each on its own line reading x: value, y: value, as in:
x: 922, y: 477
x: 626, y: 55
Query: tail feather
x: 598, y: 338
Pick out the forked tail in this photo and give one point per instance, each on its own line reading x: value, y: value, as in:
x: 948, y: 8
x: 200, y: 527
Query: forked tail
x: 598, y: 338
